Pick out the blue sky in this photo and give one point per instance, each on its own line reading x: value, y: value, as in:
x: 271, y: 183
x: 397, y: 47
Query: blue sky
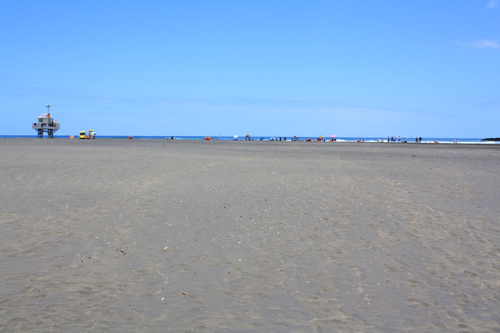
x: 349, y: 68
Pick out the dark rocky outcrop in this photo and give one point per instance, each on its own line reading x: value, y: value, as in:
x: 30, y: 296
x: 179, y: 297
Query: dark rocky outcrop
x: 491, y: 139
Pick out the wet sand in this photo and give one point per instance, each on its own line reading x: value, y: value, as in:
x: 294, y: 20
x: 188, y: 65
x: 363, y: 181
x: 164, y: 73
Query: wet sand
x: 154, y: 235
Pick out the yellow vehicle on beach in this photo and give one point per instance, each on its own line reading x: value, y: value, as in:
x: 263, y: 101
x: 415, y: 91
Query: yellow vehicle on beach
x: 83, y: 135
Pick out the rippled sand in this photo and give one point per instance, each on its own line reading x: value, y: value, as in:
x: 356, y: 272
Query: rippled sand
x: 153, y: 235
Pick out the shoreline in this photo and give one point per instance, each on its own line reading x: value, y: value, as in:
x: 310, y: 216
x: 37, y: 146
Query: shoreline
x: 489, y: 143
x: 270, y: 138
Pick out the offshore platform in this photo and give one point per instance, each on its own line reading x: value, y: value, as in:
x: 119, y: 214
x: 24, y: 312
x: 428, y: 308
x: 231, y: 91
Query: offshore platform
x: 46, y: 124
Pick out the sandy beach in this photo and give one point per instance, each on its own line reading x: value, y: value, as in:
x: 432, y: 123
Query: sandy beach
x: 155, y: 235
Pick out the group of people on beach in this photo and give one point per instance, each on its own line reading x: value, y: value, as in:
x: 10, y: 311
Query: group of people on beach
x: 398, y: 139
x: 394, y: 139
x: 322, y: 138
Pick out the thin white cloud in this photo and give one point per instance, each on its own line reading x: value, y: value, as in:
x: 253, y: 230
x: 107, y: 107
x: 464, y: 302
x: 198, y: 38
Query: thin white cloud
x: 481, y: 44
x: 495, y: 103
x: 491, y: 4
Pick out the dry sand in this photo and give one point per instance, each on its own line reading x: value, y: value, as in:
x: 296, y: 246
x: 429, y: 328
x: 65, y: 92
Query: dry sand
x: 154, y: 235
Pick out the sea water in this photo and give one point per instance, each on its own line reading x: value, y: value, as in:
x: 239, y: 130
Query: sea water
x: 277, y: 138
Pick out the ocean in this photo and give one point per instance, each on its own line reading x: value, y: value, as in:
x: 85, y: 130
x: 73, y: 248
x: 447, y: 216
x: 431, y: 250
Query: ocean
x: 271, y: 138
